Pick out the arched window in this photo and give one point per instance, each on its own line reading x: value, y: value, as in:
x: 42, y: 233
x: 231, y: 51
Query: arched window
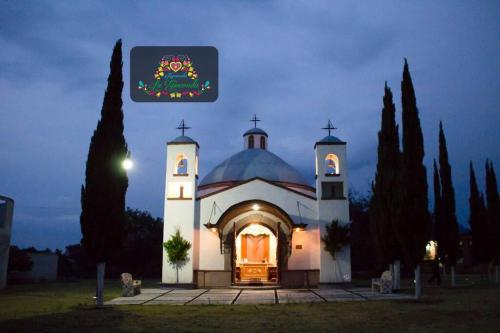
x: 332, y: 164
x: 263, y: 142
x: 250, y: 142
x: 181, y: 165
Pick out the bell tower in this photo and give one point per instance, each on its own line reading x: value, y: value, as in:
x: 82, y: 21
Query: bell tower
x: 180, y: 200
x: 333, y: 201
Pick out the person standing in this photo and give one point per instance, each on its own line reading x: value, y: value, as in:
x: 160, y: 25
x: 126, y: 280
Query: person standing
x: 435, y: 273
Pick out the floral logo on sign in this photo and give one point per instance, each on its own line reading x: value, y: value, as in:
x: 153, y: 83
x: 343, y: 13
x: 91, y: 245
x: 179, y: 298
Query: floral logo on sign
x: 175, y: 77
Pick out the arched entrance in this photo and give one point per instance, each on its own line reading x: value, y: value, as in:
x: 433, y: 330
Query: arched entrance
x: 255, y: 239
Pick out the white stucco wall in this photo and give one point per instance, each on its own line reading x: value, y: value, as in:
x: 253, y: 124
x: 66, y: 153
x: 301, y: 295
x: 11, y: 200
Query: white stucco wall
x: 44, y: 268
x: 210, y: 257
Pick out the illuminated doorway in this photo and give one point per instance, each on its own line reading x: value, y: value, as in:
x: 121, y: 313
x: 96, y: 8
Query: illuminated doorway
x: 256, y: 254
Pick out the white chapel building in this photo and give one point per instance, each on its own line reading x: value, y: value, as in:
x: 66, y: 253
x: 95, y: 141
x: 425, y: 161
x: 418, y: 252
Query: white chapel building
x: 254, y: 219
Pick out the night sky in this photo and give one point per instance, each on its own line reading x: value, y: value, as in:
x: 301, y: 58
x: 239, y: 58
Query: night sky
x: 294, y: 64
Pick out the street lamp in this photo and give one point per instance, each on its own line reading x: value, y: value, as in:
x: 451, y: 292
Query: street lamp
x: 127, y: 163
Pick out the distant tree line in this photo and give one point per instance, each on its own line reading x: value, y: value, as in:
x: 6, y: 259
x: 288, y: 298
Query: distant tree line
x: 19, y: 260
x: 141, y: 254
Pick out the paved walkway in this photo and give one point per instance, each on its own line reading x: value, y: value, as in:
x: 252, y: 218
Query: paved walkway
x: 250, y: 296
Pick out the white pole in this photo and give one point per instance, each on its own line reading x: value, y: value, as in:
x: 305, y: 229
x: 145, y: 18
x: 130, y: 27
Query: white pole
x: 453, y: 276
x: 418, y: 283
x: 101, y: 267
x: 397, y: 274
x: 391, y: 269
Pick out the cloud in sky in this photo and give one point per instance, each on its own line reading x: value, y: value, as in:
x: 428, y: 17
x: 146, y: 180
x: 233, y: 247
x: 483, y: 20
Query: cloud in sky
x: 294, y: 63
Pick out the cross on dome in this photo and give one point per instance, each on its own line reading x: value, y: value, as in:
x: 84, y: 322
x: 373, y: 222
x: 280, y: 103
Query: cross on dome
x: 182, y: 126
x: 255, y: 120
x: 329, y: 127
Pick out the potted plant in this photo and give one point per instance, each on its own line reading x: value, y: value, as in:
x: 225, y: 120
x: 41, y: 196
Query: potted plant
x: 177, y: 249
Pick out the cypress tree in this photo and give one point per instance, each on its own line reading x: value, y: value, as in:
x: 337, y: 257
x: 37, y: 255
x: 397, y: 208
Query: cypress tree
x: 450, y: 236
x: 483, y: 214
x: 438, y: 223
x: 106, y: 182
x: 493, y: 217
x: 413, y: 225
x: 385, y: 189
x: 477, y: 221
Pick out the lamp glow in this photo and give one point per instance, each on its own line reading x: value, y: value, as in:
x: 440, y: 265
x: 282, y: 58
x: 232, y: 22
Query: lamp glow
x: 127, y: 164
x: 255, y: 207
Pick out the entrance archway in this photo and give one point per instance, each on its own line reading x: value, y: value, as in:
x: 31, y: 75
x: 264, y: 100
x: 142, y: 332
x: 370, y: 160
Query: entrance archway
x: 254, y: 206
x: 255, y: 212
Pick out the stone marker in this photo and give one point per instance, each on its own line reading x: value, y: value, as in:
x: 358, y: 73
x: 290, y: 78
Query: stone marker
x: 130, y: 287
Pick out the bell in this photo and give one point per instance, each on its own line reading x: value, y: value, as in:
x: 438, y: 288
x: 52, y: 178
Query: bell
x: 181, y: 164
x: 331, y: 164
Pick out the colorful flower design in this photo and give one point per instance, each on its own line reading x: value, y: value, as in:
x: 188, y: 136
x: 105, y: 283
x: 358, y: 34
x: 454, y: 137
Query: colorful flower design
x: 171, y: 69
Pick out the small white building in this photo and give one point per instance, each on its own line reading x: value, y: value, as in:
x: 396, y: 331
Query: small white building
x: 254, y: 218
x: 44, y: 268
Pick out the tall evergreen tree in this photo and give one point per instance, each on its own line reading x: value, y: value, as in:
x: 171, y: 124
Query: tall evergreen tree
x: 493, y: 217
x: 383, y: 205
x: 477, y: 221
x: 450, y: 235
x: 413, y: 225
x: 438, y: 220
x: 364, y: 255
x: 483, y: 214
x: 106, y: 182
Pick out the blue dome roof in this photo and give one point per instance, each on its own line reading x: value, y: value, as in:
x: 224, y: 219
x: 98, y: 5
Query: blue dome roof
x: 329, y: 139
x: 182, y: 139
x: 255, y: 130
x: 251, y: 163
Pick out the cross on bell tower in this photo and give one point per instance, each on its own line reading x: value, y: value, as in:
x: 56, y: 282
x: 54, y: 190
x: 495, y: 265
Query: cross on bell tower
x: 329, y: 127
x: 183, y: 127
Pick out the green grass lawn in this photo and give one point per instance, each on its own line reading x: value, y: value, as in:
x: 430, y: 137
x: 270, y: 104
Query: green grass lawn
x: 68, y: 307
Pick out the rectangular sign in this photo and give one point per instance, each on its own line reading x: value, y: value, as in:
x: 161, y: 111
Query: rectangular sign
x: 174, y: 74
